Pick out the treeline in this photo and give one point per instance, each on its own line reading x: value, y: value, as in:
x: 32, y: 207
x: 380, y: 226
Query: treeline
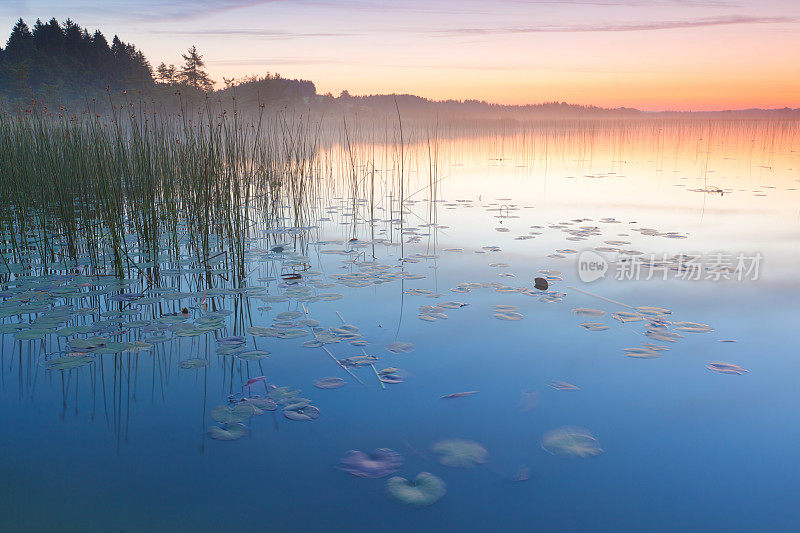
x: 55, y: 60
x: 253, y: 90
x: 409, y: 104
x: 64, y: 64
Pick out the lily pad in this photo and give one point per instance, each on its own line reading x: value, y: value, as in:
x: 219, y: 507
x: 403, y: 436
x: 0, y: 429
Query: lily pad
x: 329, y: 383
x: 227, y: 431
x: 68, y: 362
x: 641, y: 353
x: 379, y: 463
x: 308, y: 412
x: 563, y: 385
x: 426, y: 489
x: 228, y: 415
x: 195, y: 362
x: 508, y: 315
x: 692, y: 327
x: 460, y: 453
x: 400, y: 347
x: 253, y: 355
x: 571, y: 442
x: 585, y: 311
x: 594, y: 326
x: 726, y: 368
x: 264, y: 404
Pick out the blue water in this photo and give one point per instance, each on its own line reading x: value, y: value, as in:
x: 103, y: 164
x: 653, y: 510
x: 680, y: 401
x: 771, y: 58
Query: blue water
x: 122, y: 444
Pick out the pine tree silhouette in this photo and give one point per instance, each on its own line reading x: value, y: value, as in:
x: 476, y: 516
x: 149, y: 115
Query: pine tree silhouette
x: 192, y: 72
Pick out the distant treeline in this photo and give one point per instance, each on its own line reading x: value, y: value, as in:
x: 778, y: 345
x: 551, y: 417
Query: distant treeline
x: 411, y: 105
x: 254, y: 90
x: 416, y: 105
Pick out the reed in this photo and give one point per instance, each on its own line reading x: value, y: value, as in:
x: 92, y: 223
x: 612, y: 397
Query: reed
x: 128, y: 192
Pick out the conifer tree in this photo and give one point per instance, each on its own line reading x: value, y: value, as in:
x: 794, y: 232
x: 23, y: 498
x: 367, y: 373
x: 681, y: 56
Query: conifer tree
x: 192, y: 72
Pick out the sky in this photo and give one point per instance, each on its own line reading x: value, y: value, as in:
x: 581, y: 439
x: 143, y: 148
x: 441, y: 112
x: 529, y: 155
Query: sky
x: 647, y: 54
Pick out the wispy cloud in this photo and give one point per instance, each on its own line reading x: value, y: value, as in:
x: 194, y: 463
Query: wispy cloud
x: 482, y: 6
x: 611, y: 27
x: 281, y: 61
x: 158, y: 10
x: 254, y: 33
x: 630, y: 3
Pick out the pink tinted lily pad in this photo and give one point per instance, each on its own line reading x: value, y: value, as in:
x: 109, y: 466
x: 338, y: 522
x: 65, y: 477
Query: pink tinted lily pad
x: 726, y: 368
x: 379, y: 463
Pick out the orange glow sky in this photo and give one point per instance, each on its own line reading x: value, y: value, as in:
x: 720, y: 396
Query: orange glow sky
x: 649, y: 54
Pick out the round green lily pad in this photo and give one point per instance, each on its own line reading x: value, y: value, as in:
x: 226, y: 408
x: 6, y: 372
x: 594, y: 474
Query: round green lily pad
x: 425, y: 489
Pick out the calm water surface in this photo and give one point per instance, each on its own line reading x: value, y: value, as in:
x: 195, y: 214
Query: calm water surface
x: 123, y: 443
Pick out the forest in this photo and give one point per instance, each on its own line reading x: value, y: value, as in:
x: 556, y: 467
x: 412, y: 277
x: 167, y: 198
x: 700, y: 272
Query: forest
x: 52, y: 59
x: 64, y: 64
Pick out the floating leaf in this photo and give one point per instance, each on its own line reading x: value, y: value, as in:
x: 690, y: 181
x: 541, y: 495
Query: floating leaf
x: 291, y: 333
x: 296, y: 404
x: 227, y: 431
x: 653, y: 311
x: 459, y: 394
x: 692, y: 327
x: 585, y: 311
x: 572, y: 442
x: 308, y: 412
x: 239, y: 413
x: 87, y: 344
x: 390, y: 377
x: 359, y: 360
x: 400, y: 347
x: 30, y: 334
x: 379, y: 463
x: 460, y: 453
x: 627, y: 316
x: 329, y: 383
x: 726, y: 368
x: 508, y: 315
x: 195, y: 362
x: 68, y: 362
x: 594, y: 326
x: 663, y: 335
x: 253, y: 355
x: 563, y: 385
x: 262, y: 332
x: 138, y: 346
x: 425, y: 489
x: 265, y: 404
x: 641, y: 353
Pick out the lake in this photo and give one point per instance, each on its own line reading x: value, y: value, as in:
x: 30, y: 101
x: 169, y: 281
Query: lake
x: 650, y: 386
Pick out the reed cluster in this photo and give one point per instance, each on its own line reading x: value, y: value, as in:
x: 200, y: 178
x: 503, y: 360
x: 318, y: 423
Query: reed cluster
x: 125, y: 192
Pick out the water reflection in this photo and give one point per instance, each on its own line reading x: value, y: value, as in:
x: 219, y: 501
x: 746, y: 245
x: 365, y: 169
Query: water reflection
x: 400, y: 310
